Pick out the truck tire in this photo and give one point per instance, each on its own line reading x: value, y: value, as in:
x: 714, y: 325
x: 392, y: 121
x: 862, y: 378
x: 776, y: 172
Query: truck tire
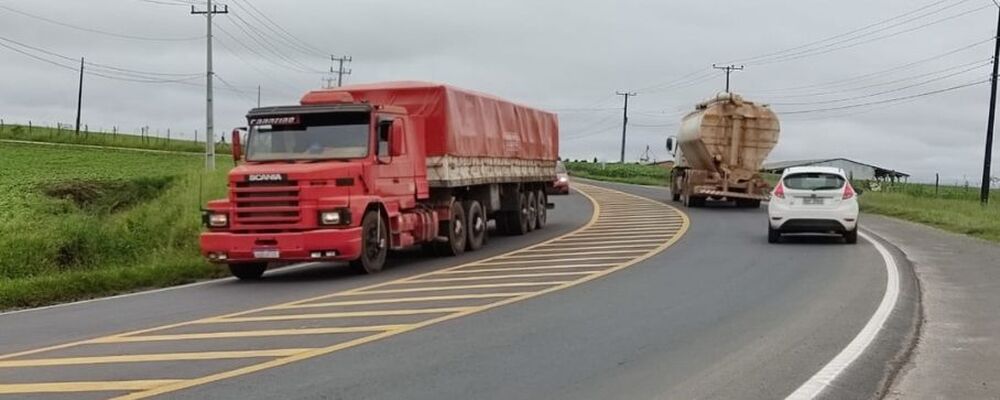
x: 543, y: 212
x: 747, y: 203
x: 516, y: 222
x: 477, y: 225
x: 374, y: 244
x: 248, y: 271
x: 675, y: 196
x: 532, y: 211
x: 455, y: 230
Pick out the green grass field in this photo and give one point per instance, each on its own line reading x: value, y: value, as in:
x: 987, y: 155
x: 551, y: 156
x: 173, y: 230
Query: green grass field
x: 955, y: 209
x: 638, y: 174
x: 79, y: 222
x: 126, y: 140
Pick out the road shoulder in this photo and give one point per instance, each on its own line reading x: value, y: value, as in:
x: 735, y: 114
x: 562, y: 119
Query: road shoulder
x: 957, y: 354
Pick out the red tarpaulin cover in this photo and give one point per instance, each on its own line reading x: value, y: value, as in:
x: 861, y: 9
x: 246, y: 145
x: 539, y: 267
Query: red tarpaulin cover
x: 460, y: 122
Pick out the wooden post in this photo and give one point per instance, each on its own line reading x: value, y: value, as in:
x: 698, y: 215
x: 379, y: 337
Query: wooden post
x: 937, y: 181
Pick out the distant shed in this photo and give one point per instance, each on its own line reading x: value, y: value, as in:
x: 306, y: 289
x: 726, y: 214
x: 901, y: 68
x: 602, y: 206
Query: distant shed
x: 853, y: 169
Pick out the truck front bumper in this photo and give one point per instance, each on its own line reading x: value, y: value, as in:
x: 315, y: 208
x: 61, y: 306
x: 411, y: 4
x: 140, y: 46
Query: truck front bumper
x: 318, y: 245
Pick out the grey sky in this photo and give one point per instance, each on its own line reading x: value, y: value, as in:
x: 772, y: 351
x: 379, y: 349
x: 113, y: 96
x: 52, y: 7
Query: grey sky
x: 562, y: 55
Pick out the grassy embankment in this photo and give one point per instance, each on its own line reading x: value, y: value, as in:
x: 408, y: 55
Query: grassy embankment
x: 954, y: 209
x: 78, y: 222
x: 131, y: 141
x: 638, y: 174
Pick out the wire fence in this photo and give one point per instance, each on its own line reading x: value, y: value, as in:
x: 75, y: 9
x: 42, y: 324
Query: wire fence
x: 138, y: 138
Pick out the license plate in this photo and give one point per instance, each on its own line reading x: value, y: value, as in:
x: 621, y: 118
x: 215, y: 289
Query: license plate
x: 812, y: 201
x: 269, y: 253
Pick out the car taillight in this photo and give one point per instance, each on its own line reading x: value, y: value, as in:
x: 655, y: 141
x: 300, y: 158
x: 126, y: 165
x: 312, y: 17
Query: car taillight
x: 848, y: 191
x: 779, y: 191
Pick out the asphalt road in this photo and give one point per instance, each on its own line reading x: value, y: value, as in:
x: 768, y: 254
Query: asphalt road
x: 718, y: 314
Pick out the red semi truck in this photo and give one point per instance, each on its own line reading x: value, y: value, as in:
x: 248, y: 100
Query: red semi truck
x: 353, y: 172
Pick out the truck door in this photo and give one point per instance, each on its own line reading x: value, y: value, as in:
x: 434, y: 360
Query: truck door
x: 395, y: 172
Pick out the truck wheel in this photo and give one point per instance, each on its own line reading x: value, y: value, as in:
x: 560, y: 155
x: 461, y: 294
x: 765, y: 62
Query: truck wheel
x: 248, y: 271
x: 374, y: 244
x: 455, y: 229
x: 675, y: 196
x: 532, y: 211
x: 542, y: 209
x: 517, y: 221
x: 477, y: 225
x: 747, y: 203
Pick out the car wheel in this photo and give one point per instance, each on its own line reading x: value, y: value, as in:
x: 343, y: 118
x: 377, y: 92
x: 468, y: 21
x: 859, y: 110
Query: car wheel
x: 773, y: 235
x: 851, y: 236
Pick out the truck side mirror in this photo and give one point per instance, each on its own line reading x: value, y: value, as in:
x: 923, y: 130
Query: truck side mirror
x: 236, y: 147
x: 396, y: 138
x: 670, y: 144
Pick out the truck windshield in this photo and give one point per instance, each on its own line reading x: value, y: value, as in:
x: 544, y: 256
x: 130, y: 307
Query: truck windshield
x: 309, y: 137
x: 814, y: 181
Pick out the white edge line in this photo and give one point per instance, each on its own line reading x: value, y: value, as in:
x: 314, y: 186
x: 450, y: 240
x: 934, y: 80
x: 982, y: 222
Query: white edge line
x: 813, y: 387
x: 142, y: 293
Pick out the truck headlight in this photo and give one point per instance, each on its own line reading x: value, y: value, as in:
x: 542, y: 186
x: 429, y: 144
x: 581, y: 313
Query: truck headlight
x: 335, y: 217
x: 329, y: 217
x: 216, y: 220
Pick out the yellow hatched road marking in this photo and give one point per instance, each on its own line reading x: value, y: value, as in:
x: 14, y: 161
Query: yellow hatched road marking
x: 457, y: 287
x: 558, y: 266
x: 133, y: 358
x: 488, y: 277
x: 346, y: 314
x: 624, y: 237
x: 578, y: 253
x: 580, y: 241
x: 501, y: 262
x: 643, y: 224
x: 617, y: 246
x: 629, y: 230
x: 248, y: 334
x: 402, y: 300
x: 69, y: 387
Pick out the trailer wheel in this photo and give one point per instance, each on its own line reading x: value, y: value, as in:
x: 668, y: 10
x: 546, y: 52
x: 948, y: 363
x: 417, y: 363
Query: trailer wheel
x: 674, y: 195
x: 455, y: 229
x: 477, y: 225
x: 517, y: 221
x: 542, y: 209
x: 248, y: 271
x: 747, y: 203
x: 374, y: 244
x: 532, y: 211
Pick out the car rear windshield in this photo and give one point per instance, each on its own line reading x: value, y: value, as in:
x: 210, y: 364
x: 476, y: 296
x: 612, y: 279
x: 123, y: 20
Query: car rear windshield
x: 814, y: 181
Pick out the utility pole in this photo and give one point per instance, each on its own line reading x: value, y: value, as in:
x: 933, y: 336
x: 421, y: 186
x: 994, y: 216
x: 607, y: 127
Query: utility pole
x: 210, y: 10
x: 79, y: 98
x: 984, y: 190
x: 258, y: 96
x: 729, y: 70
x: 340, y: 71
x: 624, y: 120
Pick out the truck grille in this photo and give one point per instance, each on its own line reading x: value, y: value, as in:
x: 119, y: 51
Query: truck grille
x: 266, y: 204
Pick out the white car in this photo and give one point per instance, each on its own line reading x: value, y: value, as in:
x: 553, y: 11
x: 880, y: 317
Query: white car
x: 813, y: 200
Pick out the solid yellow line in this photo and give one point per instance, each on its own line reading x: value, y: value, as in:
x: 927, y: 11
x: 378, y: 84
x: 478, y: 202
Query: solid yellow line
x: 578, y: 253
x: 502, y: 262
x: 472, y: 271
x: 64, y: 387
x: 404, y: 299
x: 318, y: 352
x: 348, y: 314
x: 132, y: 358
x: 475, y: 278
x: 246, y: 334
x: 462, y: 287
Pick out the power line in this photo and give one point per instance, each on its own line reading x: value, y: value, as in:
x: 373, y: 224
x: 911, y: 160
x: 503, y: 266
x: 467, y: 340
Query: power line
x: 97, y: 31
x: 894, y: 90
x: 249, y: 30
x: 295, y: 42
x: 885, y: 101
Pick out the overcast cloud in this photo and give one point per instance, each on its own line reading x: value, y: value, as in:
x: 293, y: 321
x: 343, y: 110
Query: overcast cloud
x: 569, y: 56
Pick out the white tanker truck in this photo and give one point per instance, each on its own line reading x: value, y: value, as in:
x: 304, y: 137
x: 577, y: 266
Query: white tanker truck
x: 719, y: 151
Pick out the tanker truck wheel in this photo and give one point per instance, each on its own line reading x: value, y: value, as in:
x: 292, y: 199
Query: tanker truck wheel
x: 542, y: 209
x: 248, y: 271
x: 532, y: 211
x: 477, y: 225
x: 374, y: 244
